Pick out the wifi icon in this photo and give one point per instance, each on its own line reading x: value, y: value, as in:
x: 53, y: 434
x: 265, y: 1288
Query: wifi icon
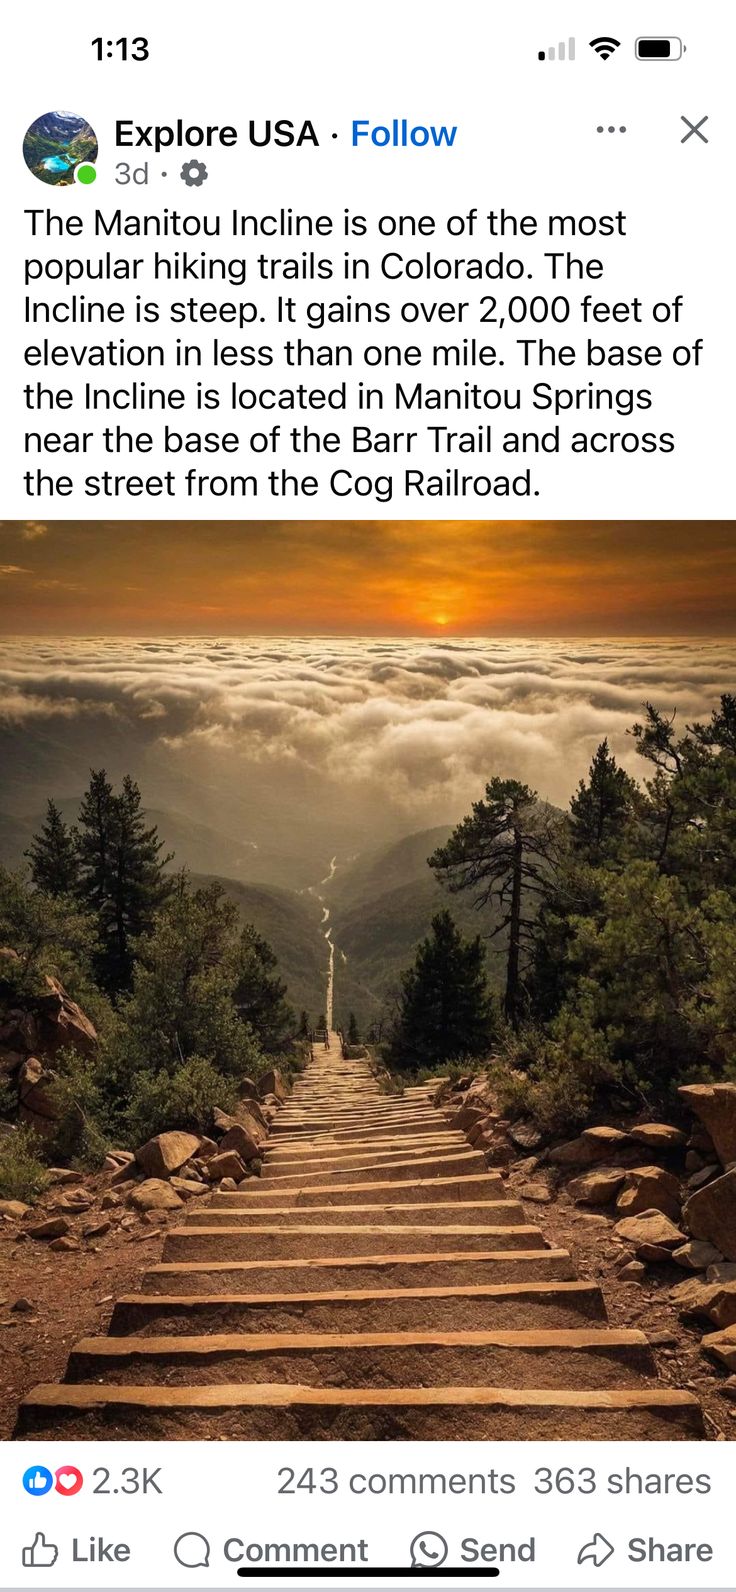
x: 604, y: 47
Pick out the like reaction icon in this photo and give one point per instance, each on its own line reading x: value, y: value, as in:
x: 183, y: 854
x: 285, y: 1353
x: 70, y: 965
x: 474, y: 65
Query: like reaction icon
x: 37, y: 1480
x: 41, y: 1555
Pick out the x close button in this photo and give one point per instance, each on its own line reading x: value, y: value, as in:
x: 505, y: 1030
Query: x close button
x: 694, y: 128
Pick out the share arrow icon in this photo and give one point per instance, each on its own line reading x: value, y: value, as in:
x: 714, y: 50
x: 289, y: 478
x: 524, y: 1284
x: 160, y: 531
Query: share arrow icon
x: 597, y: 1551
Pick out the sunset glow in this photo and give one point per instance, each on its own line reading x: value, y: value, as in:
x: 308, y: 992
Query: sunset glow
x: 369, y: 577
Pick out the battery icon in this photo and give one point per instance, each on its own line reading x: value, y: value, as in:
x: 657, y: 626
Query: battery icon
x: 659, y: 49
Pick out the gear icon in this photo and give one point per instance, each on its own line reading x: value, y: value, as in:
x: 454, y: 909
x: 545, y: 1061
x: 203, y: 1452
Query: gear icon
x: 194, y: 173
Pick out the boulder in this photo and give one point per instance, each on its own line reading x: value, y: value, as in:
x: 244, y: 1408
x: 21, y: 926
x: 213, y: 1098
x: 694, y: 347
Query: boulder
x: 75, y: 1202
x: 63, y: 1175
x: 724, y: 1271
x: 651, y: 1235
x: 633, y: 1271
x: 695, y: 1298
x: 227, y: 1165
x: 467, y: 1117
x: 722, y: 1347
x: 723, y: 1307
x: 538, y: 1193
x: 479, y: 1129
x: 164, y: 1154
x: 649, y: 1188
x: 247, y: 1089
x: 35, y: 1099
x: 592, y: 1146
x: 98, y: 1228
x: 658, y: 1136
x: 525, y: 1135
x: 696, y: 1254
x: 711, y: 1214
x: 64, y: 1245
x: 188, y: 1188
x: 597, y: 1187
x: 249, y: 1114
x: 155, y: 1195
x: 110, y: 1200
x: 125, y: 1172
x: 227, y: 1185
x: 207, y: 1148
x: 272, y: 1083
x: 51, y: 1227
x: 241, y: 1141
x: 705, y: 1175
x: 15, y: 1210
x: 715, y: 1106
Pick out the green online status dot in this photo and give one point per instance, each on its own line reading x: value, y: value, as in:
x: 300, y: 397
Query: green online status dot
x: 85, y: 174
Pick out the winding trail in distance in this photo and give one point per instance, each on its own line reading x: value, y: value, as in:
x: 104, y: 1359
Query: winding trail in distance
x: 316, y: 891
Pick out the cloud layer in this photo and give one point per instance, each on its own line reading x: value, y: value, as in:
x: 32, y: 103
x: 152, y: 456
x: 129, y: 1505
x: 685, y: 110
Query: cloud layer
x: 415, y: 725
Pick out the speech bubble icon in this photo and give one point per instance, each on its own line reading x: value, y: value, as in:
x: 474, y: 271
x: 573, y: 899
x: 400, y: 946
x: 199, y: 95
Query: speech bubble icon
x: 428, y: 1551
x: 192, y: 1550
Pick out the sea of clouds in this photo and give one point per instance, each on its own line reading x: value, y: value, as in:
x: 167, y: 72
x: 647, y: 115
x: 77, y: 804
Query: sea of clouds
x: 417, y: 724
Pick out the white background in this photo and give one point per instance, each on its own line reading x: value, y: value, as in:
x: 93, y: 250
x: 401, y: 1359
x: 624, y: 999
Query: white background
x: 526, y: 140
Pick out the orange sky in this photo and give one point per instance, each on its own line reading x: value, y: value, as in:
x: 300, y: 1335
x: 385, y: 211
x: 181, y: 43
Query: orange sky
x: 369, y: 577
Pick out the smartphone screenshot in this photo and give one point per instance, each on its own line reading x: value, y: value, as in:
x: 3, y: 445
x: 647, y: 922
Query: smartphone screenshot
x: 367, y: 796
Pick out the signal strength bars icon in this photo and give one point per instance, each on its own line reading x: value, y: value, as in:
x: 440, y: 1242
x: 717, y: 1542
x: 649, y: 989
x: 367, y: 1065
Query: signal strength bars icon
x: 563, y: 52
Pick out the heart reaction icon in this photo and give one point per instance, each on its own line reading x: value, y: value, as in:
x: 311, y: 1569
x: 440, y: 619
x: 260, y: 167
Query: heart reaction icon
x: 69, y: 1481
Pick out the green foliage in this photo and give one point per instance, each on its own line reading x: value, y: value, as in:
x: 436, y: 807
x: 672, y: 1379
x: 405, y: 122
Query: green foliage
x: 121, y: 873
x: 54, y: 855
x: 185, y: 1098
x: 49, y: 934
x: 22, y: 1174
x: 503, y: 853
x: 260, y: 995
x: 444, y: 1007
x: 353, y: 1030
x: 629, y: 960
x: 77, y: 1095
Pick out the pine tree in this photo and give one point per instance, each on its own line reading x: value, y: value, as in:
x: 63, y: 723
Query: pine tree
x: 303, y: 1030
x: 444, y: 1010
x: 260, y: 995
x: 53, y: 855
x: 602, y: 808
x: 503, y: 852
x: 122, y: 877
x: 353, y: 1030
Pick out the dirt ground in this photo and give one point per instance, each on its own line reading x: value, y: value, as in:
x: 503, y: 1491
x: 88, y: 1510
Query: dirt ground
x: 645, y: 1305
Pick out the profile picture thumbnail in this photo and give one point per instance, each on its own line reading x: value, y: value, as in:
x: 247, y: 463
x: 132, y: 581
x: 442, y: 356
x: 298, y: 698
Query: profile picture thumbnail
x: 57, y: 145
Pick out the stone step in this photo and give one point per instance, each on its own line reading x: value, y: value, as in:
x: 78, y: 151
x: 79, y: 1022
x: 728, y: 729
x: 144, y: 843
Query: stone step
x: 269, y: 1413
x: 470, y: 1308
x: 331, y: 1161
x: 501, y: 1213
x: 582, y: 1357
x: 283, y: 1149
x: 299, y: 1243
x: 486, y: 1186
x: 364, y: 1271
x: 368, y: 1171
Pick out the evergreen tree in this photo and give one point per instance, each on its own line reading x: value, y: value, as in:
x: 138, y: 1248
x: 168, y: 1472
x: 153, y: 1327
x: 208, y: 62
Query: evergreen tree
x: 444, y: 1010
x: 260, y: 995
x: 122, y: 877
x: 353, y: 1030
x: 602, y: 809
x: 53, y: 855
x: 303, y: 1031
x: 503, y: 852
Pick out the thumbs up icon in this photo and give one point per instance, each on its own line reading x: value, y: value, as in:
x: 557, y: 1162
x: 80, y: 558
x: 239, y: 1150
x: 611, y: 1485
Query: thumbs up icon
x: 41, y: 1555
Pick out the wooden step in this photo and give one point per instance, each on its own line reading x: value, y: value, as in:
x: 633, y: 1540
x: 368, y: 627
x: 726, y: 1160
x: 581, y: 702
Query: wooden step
x: 275, y: 1165
x: 470, y: 1308
x: 364, y: 1271
x: 297, y: 1243
x: 368, y: 1171
x: 581, y: 1357
x: 487, y: 1187
x: 323, y: 1147
x: 268, y: 1413
x: 500, y: 1213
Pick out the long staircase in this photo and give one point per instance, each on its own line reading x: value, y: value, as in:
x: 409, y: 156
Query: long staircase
x: 375, y: 1282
